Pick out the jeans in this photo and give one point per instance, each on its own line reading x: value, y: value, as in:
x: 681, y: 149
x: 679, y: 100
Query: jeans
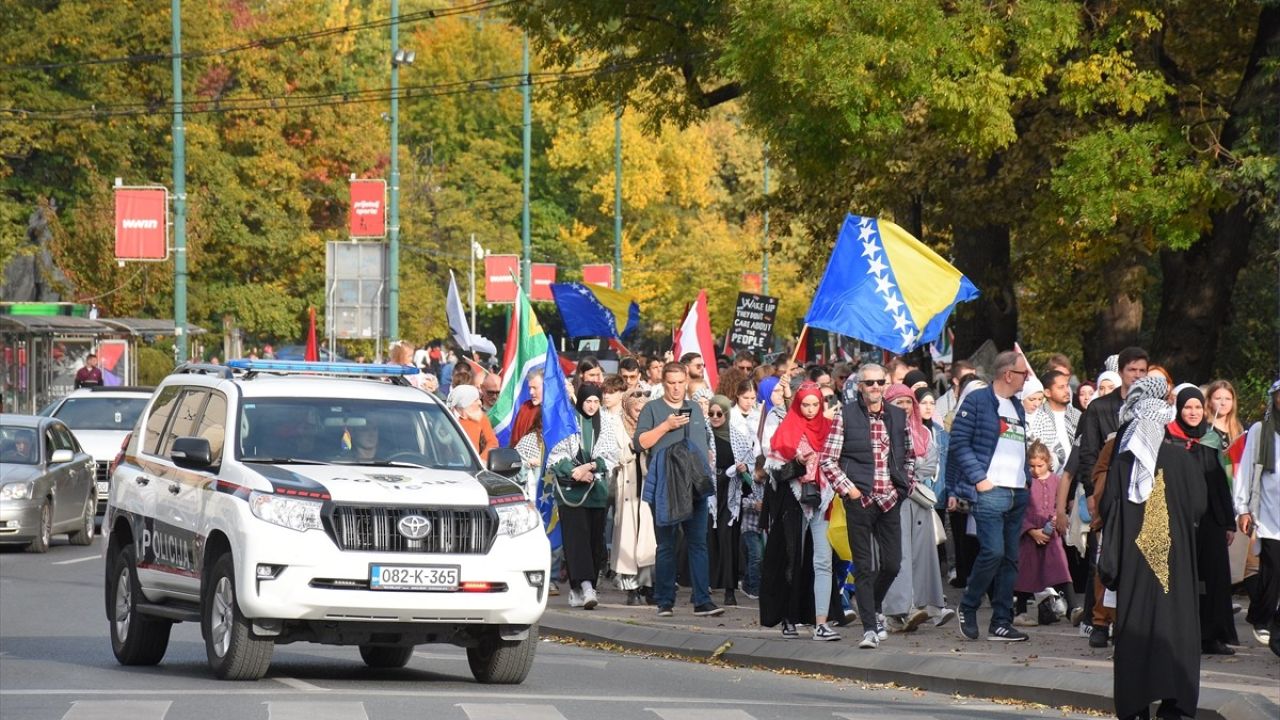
x: 875, y: 539
x: 821, y: 563
x: 753, y: 543
x: 695, y: 535
x: 998, y: 514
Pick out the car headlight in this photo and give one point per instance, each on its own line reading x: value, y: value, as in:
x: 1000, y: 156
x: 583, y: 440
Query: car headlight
x: 518, y: 518
x: 292, y: 513
x: 16, y: 491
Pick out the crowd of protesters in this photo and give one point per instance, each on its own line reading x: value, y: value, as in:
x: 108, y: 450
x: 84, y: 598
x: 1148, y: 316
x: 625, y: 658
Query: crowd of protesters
x: 849, y: 495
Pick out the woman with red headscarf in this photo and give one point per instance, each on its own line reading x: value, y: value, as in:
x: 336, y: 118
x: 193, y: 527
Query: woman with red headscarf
x: 916, y: 593
x: 796, y: 582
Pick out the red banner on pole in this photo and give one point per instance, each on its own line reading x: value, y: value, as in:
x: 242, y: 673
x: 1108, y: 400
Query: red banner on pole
x: 598, y: 274
x: 142, y: 223
x: 542, y: 275
x: 500, y: 275
x: 752, y: 282
x: 368, y: 211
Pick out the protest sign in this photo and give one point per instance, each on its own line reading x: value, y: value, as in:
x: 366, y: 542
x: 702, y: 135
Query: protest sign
x: 753, y: 322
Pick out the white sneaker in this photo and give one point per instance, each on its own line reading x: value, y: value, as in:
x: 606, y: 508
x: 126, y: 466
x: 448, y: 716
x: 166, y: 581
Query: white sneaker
x: 1060, y: 607
x: 1025, y: 620
x: 1085, y: 629
x: 944, y: 617
x: 870, y: 641
x: 882, y: 632
x: 575, y: 598
x: 1262, y: 635
x: 825, y: 632
x: 589, y: 597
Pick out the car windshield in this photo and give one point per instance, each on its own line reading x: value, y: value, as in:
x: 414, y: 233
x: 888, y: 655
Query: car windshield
x: 101, y: 412
x: 18, y: 446
x: 351, y: 431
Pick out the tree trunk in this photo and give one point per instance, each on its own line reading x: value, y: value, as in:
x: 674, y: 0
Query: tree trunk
x: 982, y: 254
x: 1120, y: 324
x: 1199, y: 281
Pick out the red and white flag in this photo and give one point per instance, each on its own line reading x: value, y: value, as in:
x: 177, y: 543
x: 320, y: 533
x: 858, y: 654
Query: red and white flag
x: 694, y: 336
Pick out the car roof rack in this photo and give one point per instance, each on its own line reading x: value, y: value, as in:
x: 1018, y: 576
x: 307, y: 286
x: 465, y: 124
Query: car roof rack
x: 221, y: 371
x: 397, y: 374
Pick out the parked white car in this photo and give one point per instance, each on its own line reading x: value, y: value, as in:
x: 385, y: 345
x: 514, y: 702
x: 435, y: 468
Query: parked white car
x: 277, y: 502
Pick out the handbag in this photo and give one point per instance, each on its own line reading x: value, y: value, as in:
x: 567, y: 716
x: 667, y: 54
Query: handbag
x: 810, y: 496
x: 924, y: 496
x: 939, y: 530
x: 838, y: 530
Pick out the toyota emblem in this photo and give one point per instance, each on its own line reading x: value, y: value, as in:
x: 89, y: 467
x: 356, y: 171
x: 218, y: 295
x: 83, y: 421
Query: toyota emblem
x: 414, y: 527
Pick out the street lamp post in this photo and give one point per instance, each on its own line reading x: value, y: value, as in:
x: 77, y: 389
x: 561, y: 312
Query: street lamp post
x: 399, y: 56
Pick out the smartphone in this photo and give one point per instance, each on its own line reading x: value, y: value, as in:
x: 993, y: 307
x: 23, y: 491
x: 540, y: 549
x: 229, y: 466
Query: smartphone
x: 685, y: 411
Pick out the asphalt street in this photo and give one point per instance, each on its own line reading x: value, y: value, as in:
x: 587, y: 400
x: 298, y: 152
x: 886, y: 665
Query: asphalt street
x: 56, y: 664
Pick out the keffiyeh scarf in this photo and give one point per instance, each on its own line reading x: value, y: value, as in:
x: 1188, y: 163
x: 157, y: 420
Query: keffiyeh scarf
x: 1146, y: 414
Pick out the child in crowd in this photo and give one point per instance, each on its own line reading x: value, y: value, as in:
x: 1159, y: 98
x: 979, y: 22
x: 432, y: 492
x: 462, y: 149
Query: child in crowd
x: 1042, y: 559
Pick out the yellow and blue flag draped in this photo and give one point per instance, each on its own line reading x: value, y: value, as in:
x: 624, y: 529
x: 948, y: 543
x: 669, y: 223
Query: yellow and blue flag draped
x: 595, y: 311
x: 885, y: 287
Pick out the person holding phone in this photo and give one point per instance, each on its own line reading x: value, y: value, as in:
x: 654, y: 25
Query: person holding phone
x: 670, y: 420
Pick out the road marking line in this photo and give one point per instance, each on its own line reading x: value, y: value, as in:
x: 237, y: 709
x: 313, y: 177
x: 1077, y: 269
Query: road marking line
x: 302, y: 685
x: 77, y: 560
x: 699, y: 714
x: 317, y: 710
x: 483, y: 711
x: 133, y: 709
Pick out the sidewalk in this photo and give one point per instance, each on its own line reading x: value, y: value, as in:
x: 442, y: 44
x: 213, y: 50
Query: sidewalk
x: 1056, y: 667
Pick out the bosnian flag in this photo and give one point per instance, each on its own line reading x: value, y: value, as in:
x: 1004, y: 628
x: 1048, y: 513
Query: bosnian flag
x: 694, y: 336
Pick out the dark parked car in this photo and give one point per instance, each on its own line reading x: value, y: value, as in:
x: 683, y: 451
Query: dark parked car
x: 46, y: 483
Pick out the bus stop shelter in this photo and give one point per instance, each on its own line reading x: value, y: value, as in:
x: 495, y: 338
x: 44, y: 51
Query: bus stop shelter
x: 40, y: 354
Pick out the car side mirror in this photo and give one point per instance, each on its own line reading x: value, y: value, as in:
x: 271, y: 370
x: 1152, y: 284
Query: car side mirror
x: 191, y: 452
x: 505, y: 461
x: 61, y: 456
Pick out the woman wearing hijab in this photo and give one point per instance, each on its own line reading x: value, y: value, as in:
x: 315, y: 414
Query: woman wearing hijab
x: 1153, y: 496
x: 634, y: 546
x: 731, y: 456
x: 916, y: 593
x: 1217, y: 528
x: 796, y: 582
x: 582, y: 464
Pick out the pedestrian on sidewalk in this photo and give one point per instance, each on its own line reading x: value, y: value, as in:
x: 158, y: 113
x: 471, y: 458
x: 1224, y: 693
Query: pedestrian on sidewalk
x: 1152, y: 498
x: 916, y: 594
x: 869, y: 460
x: 731, y: 457
x: 583, y: 464
x: 1216, y: 530
x: 1042, y: 558
x: 673, y: 428
x: 796, y: 582
x: 989, y: 450
x: 1257, y: 506
x: 964, y: 540
x: 634, y: 547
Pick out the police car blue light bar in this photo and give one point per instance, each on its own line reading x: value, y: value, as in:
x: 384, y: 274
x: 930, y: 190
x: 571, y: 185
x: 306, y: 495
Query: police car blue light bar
x: 328, y: 368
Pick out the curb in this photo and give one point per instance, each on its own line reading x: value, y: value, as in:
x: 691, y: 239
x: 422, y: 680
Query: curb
x: 1090, y: 691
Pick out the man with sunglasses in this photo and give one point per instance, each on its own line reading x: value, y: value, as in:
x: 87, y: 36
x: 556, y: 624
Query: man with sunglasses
x: 868, y: 460
x: 987, y: 465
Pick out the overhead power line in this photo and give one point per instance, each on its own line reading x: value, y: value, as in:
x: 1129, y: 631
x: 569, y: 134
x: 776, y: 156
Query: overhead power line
x: 311, y: 100
x: 270, y: 42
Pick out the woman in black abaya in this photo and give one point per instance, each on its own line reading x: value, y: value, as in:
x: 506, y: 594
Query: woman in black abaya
x: 1216, y: 529
x: 1154, y: 496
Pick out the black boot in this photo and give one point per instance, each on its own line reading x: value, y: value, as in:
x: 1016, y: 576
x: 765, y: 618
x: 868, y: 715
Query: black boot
x: 730, y: 598
x: 633, y: 598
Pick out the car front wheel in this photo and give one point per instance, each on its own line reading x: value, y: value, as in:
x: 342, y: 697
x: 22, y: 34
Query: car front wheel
x: 503, y: 662
x: 41, y: 543
x: 233, y: 652
x: 135, y: 639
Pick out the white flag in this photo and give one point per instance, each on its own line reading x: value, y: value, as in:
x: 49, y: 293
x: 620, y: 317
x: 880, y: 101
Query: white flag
x: 458, y: 323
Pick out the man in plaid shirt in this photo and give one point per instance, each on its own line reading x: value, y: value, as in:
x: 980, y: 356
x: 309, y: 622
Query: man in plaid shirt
x: 868, y: 460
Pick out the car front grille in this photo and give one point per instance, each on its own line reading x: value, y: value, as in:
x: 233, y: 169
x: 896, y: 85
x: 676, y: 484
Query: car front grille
x: 375, y: 529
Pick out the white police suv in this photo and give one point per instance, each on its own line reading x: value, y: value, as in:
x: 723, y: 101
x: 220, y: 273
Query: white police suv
x: 278, y: 502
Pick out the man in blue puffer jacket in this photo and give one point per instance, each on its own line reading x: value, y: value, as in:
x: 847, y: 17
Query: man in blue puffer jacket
x: 988, y: 467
